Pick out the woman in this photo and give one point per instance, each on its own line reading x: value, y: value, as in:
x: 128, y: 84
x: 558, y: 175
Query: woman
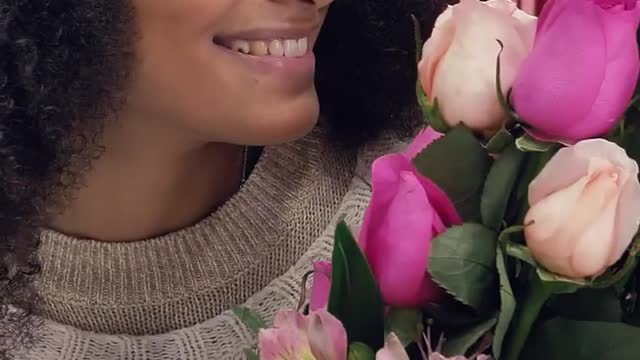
x: 136, y: 204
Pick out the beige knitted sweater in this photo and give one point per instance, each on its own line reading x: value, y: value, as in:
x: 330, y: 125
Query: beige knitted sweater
x: 168, y: 298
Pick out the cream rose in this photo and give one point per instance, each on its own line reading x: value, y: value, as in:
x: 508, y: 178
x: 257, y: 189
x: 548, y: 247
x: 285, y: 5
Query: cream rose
x: 585, y: 209
x: 458, y: 66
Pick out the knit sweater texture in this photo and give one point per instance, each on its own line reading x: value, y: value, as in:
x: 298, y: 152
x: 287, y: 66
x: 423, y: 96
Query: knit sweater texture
x: 172, y: 297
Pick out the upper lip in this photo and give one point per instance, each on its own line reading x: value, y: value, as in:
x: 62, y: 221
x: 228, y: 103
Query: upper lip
x: 273, y: 33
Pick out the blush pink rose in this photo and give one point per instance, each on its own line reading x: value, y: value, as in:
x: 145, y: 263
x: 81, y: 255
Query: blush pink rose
x: 458, y: 66
x: 585, y: 209
x: 583, y: 70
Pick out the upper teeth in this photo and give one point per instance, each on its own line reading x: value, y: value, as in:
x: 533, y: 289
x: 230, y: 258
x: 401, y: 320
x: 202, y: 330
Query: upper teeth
x: 287, y: 47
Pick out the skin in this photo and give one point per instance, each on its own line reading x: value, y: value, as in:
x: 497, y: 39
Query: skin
x: 173, y: 154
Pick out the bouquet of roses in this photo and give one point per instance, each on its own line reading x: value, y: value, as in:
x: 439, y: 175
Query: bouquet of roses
x: 509, y: 228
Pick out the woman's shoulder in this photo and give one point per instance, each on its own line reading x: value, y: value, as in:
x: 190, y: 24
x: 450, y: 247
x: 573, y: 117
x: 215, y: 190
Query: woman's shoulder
x: 325, y: 182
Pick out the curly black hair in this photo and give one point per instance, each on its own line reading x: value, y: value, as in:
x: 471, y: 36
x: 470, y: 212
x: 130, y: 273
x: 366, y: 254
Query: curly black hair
x: 63, y: 68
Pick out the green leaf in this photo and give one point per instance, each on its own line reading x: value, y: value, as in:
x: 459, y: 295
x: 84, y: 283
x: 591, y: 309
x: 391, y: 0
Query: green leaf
x: 589, y: 304
x: 528, y: 144
x: 630, y: 299
x: 360, y: 351
x: 452, y: 314
x: 458, y: 164
x: 405, y: 323
x: 251, y: 355
x: 250, y: 318
x: 615, y: 276
x: 619, y: 274
x: 435, y: 119
x: 461, y: 343
x: 507, y: 304
x: 355, y: 298
x: 500, y: 141
x: 557, y: 284
x: 562, y: 339
x: 499, y: 185
x: 520, y: 252
x: 463, y: 261
x: 505, y: 235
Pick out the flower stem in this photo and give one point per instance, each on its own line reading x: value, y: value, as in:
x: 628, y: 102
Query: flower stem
x: 525, y: 317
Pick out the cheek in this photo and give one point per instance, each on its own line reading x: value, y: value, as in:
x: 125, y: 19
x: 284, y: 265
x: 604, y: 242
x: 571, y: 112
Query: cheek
x: 217, y: 101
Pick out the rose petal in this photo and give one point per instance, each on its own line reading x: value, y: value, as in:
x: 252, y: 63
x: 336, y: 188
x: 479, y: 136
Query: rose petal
x: 528, y: 29
x: 397, y: 230
x: 439, y: 200
x: 551, y: 13
x: 564, y: 169
x: 592, y: 248
x: 627, y: 215
x: 421, y: 142
x: 434, y: 49
x: 616, y: 90
x: 571, y: 163
x: 529, y: 6
x: 541, y: 93
x: 548, y: 216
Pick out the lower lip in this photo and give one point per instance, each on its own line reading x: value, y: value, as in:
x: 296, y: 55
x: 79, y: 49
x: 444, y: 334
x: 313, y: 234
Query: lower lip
x: 288, y: 66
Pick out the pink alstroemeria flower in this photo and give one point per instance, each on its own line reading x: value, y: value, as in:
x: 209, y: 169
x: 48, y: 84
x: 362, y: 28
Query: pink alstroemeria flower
x: 321, y: 285
x: 318, y: 336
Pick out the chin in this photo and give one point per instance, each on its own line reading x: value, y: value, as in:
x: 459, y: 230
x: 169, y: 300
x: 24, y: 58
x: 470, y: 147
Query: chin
x: 284, y: 124
x: 286, y: 129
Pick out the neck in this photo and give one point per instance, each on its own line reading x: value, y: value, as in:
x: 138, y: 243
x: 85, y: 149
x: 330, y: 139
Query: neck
x: 148, y: 182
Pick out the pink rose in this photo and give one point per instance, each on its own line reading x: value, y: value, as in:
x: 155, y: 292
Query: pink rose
x: 406, y: 212
x: 319, y: 336
x: 583, y: 70
x: 458, y: 66
x: 532, y: 7
x: 585, y: 209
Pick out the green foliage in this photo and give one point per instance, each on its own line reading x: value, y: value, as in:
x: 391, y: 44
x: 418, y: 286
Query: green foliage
x: 507, y: 304
x: 498, y: 187
x: 405, y: 323
x: 461, y: 343
x: 462, y: 177
x: 355, y: 298
x: 463, y: 261
x: 360, y: 351
x: 250, y: 318
x: 561, y: 339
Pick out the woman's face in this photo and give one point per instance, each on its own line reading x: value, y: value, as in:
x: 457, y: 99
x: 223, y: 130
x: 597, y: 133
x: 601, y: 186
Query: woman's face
x: 236, y: 71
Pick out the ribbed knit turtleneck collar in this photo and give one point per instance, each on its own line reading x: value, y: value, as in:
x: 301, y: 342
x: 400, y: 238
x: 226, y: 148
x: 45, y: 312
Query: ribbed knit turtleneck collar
x: 183, y: 278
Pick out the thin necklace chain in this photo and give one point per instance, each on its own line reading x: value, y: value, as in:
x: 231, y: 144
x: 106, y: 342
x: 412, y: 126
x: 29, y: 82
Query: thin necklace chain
x: 245, y: 164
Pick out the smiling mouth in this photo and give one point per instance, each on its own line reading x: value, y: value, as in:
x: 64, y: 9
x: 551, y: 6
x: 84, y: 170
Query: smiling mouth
x: 291, y: 48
